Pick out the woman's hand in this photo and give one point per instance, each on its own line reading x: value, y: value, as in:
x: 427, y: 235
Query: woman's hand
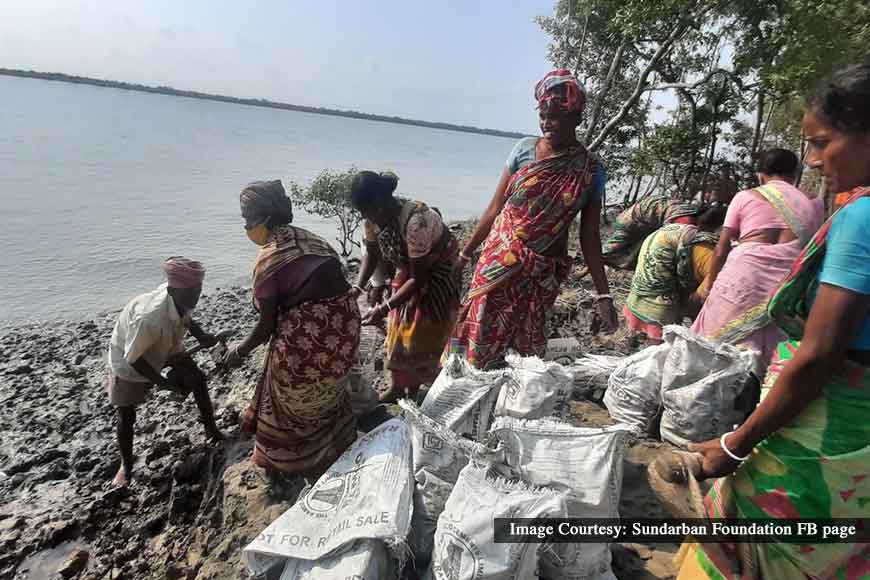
x: 605, y: 318
x: 375, y: 295
x: 233, y: 358
x: 714, y: 461
x: 376, y: 315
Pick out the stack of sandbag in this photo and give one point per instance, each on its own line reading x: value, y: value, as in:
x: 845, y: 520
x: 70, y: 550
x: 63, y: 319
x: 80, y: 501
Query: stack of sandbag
x: 438, y: 455
x: 586, y: 465
x: 465, y: 544
x: 700, y: 387
x: 354, y: 521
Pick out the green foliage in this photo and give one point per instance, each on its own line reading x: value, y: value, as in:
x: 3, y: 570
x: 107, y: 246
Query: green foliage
x: 328, y: 196
x: 679, y: 89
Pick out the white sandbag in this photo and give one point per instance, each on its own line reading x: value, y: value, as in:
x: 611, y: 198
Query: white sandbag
x: 563, y: 350
x: 462, y: 398
x: 438, y: 455
x: 465, y: 547
x: 538, y: 389
x: 592, y: 372
x: 584, y: 463
x: 365, y: 494
x: 362, y: 560
x: 701, y: 383
x: 633, y: 393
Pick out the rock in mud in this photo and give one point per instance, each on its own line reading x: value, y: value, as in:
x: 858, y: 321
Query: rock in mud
x: 77, y: 562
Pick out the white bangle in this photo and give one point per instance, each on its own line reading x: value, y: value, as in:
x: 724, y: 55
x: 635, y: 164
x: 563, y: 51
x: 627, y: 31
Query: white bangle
x: 358, y: 287
x: 603, y: 297
x: 465, y: 256
x: 728, y: 451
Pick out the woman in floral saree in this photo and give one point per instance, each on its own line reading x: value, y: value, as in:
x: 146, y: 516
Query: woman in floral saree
x: 546, y: 183
x: 300, y: 412
x: 805, y: 450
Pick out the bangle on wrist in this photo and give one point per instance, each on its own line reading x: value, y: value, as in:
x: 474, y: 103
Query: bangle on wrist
x: 600, y: 297
x: 464, y: 256
x: 728, y: 451
x: 358, y: 288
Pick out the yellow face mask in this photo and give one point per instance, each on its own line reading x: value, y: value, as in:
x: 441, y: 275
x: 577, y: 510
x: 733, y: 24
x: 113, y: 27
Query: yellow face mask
x: 259, y: 234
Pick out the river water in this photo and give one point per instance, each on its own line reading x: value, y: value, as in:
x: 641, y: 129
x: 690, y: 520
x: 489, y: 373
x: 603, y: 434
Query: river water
x: 99, y: 185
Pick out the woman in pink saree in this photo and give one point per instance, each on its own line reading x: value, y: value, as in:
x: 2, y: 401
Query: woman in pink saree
x: 771, y: 224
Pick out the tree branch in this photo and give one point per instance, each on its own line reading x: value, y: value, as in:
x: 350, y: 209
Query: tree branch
x: 602, y: 92
x: 632, y: 100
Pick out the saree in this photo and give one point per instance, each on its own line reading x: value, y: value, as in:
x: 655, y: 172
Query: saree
x: 300, y: 413
x: 816, y: 466
x: 418, y: 329
x: 735, y: 311
x: 665, y: 274
x: 634, y: 224
x: 515, y: 283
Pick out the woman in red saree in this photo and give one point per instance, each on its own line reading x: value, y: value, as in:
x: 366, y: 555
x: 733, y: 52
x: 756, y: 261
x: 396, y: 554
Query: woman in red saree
x: 300, y: 413
x: 546, y: 183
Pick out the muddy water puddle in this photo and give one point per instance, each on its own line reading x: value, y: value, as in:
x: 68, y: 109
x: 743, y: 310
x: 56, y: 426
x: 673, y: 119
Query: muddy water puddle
x: 46, y: 563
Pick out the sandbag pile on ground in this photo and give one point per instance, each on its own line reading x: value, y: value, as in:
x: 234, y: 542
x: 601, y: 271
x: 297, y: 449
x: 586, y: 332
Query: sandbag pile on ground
x: 578, y: 471
x: 583, y: 463
x: 438, y: 455
x: 702, y: 388
x: 366, y: 495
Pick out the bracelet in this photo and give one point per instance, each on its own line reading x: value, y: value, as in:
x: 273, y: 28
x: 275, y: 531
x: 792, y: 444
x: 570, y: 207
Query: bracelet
x: 358, y: 287
x: 603, y: 297
x: 464, y: 256
x: 728, y: 451
x: 387, y: 304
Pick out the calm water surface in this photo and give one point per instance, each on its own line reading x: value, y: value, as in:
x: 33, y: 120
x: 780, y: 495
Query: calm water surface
x: 100, y: 185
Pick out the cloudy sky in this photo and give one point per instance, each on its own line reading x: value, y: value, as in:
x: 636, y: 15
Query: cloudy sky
x: 459, y: 61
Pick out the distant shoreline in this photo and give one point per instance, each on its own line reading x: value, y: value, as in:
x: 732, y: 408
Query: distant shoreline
x: 61, y: 77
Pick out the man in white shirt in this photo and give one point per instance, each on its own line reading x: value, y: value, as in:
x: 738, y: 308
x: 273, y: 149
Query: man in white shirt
x: 148, y: 338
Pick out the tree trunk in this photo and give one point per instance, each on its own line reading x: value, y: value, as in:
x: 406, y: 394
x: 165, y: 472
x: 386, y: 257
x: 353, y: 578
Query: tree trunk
x: 602, y: 92
x: 759, y: 118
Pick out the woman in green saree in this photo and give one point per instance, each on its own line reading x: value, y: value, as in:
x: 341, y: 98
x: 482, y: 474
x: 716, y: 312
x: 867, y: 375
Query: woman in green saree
x: 805, y: 451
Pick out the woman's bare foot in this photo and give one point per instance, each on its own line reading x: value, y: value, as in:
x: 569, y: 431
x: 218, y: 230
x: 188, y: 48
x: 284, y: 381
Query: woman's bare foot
x: 122, y: 478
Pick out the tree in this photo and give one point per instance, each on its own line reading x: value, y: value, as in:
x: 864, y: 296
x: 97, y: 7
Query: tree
x: 679, y: 89
x: 328, y: 196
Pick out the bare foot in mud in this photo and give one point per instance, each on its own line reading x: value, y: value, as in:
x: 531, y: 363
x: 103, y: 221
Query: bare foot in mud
x: 122, y: 478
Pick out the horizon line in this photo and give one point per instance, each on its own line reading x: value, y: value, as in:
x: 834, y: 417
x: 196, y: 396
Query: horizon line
x: 253, y: 102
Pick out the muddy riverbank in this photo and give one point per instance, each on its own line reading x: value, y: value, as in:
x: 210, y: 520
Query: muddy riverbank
x: 193, y: 505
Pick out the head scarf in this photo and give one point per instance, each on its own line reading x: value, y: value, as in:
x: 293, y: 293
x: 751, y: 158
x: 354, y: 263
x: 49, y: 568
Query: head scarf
x: 573, y: 99
x: 267, y: 199
x: 183, y: 272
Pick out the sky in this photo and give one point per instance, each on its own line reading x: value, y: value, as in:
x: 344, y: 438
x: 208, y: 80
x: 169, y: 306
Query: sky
x: 470, y: 62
